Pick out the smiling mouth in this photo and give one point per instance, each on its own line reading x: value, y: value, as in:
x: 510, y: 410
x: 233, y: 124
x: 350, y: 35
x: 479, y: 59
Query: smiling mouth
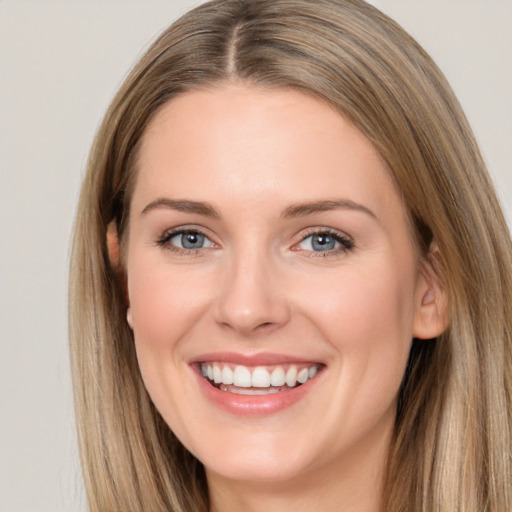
x: 259, y: 380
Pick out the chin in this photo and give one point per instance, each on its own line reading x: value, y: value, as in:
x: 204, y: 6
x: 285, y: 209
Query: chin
x: 257, y: 468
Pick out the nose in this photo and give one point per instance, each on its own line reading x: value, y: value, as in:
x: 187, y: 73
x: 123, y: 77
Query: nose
x: 251, y: 299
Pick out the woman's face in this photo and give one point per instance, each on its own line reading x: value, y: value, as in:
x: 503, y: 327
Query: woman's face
x: 267, y: 243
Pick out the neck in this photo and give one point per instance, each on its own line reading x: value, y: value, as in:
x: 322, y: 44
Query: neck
x: 351, y: 483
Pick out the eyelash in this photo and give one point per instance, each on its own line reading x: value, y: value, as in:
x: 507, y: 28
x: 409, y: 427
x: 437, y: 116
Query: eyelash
x: 164, y: 241
x: 346, y: 242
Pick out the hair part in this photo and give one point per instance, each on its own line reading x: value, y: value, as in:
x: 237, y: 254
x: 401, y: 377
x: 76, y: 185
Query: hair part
x: 452, y: 447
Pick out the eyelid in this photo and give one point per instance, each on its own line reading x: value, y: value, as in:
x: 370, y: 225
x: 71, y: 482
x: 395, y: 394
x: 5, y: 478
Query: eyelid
x: 346, y: 241
x: 164, y: 239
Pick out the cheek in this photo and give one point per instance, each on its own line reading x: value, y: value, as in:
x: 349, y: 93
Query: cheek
x: 164, y: 304
x: 367, y: 317
x: 165, y: 307
x: 357, y: 302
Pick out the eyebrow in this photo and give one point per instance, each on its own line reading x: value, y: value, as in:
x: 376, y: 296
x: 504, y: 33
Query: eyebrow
x: 303, y: 209
x: 295, y: 210
x: 182, y: 205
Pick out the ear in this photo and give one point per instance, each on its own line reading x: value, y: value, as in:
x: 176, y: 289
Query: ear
x: 129, y: 318
x: 113, y: 249
x: 431, y: 316
x: 113, y: 244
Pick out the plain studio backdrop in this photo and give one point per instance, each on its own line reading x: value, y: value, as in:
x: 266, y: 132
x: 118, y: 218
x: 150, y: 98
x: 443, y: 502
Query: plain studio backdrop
x: 60, y: 64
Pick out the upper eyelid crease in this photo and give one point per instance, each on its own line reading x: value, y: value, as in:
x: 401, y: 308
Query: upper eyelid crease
x: 325, y: 230
x: 343, y: 238
x: 183, y: 230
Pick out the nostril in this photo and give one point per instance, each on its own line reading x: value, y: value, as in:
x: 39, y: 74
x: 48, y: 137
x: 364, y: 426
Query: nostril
x: 248, y: 307
x: 256, y: 327
x: 265, y: 326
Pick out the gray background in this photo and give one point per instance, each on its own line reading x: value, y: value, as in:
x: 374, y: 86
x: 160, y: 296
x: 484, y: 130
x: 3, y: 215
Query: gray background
x: 60, y: 64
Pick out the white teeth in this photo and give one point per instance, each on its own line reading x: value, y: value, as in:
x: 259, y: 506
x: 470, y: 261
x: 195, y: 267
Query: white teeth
x: 227, y: 375
x: 242, y: 377
x: 291, y: 376
x: 260, y: 378
x: 217, y: 376
x: 303, y: 375
x: 278, y: 377
x: 244, y: 380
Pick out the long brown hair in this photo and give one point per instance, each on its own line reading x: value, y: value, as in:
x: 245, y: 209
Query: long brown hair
x: 452, y: 449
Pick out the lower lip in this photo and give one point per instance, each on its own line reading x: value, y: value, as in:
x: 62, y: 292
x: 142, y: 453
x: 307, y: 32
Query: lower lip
x: 254, y: 405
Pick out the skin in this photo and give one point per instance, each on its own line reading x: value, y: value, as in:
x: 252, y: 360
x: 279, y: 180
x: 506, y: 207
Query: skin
x: 257, y: 286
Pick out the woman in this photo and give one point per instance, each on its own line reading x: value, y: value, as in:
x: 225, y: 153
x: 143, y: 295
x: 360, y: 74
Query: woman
x: 291, y: 278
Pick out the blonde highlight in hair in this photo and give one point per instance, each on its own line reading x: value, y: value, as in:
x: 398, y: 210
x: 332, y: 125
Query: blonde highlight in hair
x: 452, y: 449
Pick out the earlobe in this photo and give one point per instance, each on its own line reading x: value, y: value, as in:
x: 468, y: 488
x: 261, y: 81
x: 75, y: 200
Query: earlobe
x: 431, y: 317
x: 129, y: 317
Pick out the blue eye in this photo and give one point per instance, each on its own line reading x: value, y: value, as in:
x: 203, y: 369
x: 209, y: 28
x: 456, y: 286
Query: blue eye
x: 187, y: 240
x: 324, y: 241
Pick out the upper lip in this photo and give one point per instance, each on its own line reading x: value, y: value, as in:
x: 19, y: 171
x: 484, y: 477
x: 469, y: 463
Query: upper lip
x: 257, y: 359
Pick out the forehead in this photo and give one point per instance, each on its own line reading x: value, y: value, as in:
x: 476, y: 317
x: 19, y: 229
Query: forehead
x: 248, y: 142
